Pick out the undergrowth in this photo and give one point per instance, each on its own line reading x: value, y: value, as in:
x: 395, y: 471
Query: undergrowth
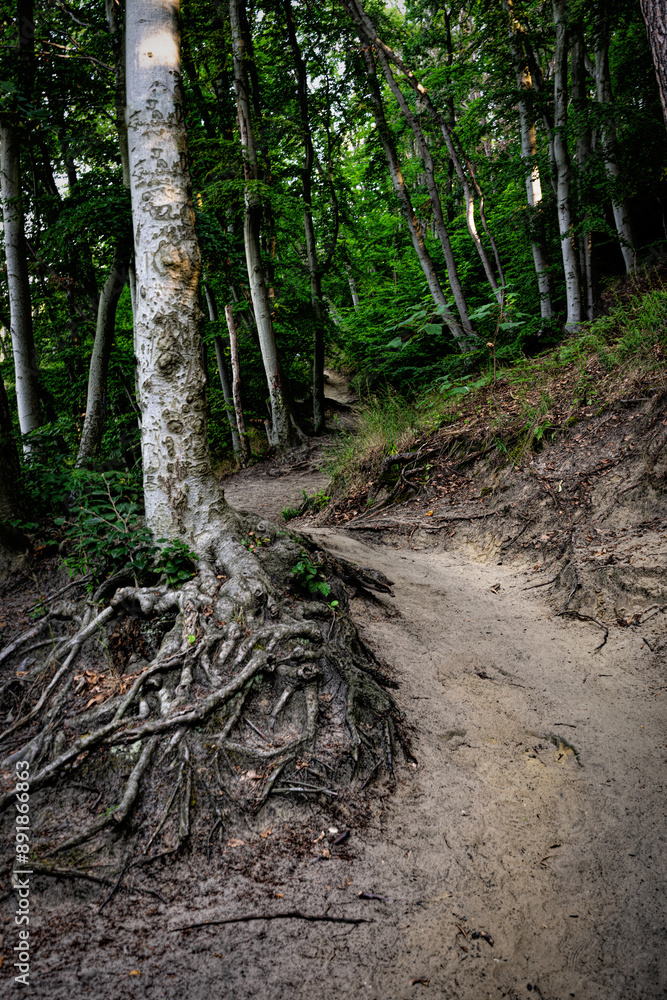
x: 524, y: 403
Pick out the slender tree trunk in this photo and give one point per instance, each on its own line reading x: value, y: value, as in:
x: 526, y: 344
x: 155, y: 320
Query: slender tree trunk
x: 464, y: 334
x: 369, y: 32
x: 283, y: 428
x: 314, y: 270
x: 562, y: 158
x: 353, y: 288
x: 403, y: 195
x: 620, y: 207
x: 529, y: 154
x: 181, y: 493
x: 583, y: 153
x: 9, y: 461
x: 236, y: 383
x: 93, y: 425
x: 20, y: 310
x: 116, y: 34
x: 655, y: 16
x: 224, y: 376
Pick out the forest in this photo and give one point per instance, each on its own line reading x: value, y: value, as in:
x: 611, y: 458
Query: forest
x: 398, y: 261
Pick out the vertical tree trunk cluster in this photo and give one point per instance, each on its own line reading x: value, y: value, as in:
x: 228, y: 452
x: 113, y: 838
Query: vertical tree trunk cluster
x: 314, y: 268
x: 283, y: 430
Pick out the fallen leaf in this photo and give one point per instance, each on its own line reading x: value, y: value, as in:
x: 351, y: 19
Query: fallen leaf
x: 265, y: 833
x: 280, y: 895
x: 235, y: 843
x: 135, y: 972
x: 429, y: 513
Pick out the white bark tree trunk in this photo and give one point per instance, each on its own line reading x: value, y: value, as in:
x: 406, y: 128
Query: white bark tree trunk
x: 562, y: 158
x: 181, y: 493
x: 529, y: 154
x: 353, y: 288
x: 283, y: 428
x: 222, y: 371
x: 620, y: 206
x: 464, y: 334
x: 236, y: 383
x: 405, y: 203
x: 367, y: 29
x: 20, y: 310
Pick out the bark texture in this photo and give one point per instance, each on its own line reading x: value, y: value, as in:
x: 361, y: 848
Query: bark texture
x: 655, y: 16
x: 181, y: 493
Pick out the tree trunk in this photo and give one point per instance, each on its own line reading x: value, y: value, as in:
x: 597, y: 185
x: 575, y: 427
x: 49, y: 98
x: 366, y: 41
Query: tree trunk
x: 13, y: 543
x: 10, y: 470
x: 464, y: 333
x: 236, y: 384
x: 244, y: 627
x: 368, y: 31
x: 583, y: 152
x: 562, y: 158
x: 403, y: 194
x: 224, y: 376
x: 116, y: 33
x: 655, y: 16
x: 314, y: 270
x: 529, y: 154
x: 353, y: 288
x: 283, y: 428
x: 93, y: 425
x: 20, y: 310
x: 181, y: 492
x: 620, y: 206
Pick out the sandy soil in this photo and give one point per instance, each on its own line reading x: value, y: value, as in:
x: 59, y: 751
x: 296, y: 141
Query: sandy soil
x: 535, y: 815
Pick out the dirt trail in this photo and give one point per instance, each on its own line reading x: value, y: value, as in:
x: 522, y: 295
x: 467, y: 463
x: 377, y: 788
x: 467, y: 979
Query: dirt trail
x: 269, y: 488
x: 535, y: 815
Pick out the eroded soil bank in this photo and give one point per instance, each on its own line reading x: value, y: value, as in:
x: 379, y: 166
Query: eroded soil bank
x: 535, y: 817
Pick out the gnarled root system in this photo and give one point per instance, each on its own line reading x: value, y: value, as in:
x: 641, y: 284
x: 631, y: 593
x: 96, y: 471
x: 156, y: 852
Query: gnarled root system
x: 241, y: 688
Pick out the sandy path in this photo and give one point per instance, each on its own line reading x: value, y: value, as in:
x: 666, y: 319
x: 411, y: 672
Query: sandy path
x: 536, y: 814
x: 502, y: 828
x: 469, y: 839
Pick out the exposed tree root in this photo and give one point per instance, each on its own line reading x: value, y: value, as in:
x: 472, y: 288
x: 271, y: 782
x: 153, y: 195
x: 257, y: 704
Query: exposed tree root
x: 250, y: 672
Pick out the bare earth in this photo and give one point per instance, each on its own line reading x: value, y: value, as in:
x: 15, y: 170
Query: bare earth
x: 535, y: 817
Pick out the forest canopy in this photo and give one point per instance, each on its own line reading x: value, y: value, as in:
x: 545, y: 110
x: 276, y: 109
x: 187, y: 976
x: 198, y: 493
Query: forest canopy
x: 423, y: 181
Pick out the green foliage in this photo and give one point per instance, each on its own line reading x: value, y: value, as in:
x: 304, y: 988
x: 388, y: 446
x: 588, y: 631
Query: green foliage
x: 107, y: 535
x: 315, y: 502
x: 308, y: 576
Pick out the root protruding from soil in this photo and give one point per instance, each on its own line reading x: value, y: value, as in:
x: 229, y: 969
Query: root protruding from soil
x: 252, y: 690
